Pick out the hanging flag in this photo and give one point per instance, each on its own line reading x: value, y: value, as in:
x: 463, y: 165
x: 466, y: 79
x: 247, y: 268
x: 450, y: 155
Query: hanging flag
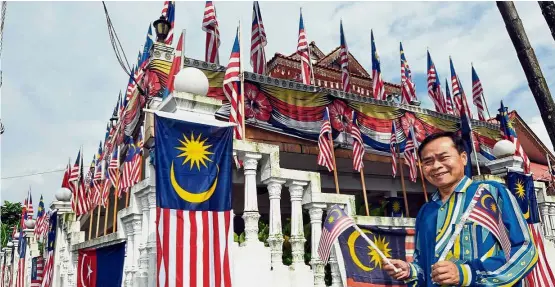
x: 325, y: 156
x: 335, y: 223
x: 378, y: 87
x: 169, y: 13
x: 193, y: 203
x: 344, y: 61
x: 303, y: 50
x: 508, y: 132
x: 149, y: 42
x: 101, y: 267
x: 466, y: 135
x: 408, y: 88
x: 37, y: 266
x: 78, y: 202
x: 477, y: 93
x: 210, y: 26
x: 458, y: 92
x: 22, y: 249
x: 258, y: 41
x: 113, y: 170
x: 449, y: 107
x: 393, y: 149
x: 232, y: 88
x: 49, y: 265
x: 358, y: 145
x: 129, y: 173
x: 363, y: 264
x: 176, y: 66
x: 29, y: 204
x: 40, y: 227
x: 410, y: 155
x: 434, y: 86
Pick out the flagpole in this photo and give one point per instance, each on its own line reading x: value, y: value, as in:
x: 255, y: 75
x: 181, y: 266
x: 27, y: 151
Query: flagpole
x: 91, y: 218
x: 242, y: 85
x: 362, y: 181
x: 182, y: 50
x: 474, y: 149
x: 401, y: 162
x: 116, y: 191
x: 97, y: 220
x: 550, y: 170
x: 420, y: 167
x: 334, y: 164
x: 106, y: 215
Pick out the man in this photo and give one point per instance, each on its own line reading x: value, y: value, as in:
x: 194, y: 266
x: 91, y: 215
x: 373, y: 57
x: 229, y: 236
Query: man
x: 476, y: 258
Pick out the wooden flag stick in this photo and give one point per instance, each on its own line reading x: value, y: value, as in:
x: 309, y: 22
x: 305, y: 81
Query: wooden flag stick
x: 106, y: 215
x: 98, y: 220
x: 362, y: 181
x: 423, y: 180
x: 242, y: 84
x: 127, y: 197
x: 91, y: 218
x: 114, y: 227
x: 334, y: 165
x: 401, y: 162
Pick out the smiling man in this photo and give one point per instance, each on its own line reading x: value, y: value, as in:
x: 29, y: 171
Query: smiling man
x: 500, y: 254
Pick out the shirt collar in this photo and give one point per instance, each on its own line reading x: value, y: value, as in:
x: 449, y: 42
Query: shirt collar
x: 461, y: 187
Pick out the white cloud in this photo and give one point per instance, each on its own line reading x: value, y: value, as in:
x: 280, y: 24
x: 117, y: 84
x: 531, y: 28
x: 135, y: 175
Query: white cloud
x: 61, y: 77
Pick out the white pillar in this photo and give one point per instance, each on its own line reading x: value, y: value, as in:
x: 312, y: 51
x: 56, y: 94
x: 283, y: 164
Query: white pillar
x: 275, y: 238
x: 251, y: 214
x: 296, y: 189
x: 316, y: 211
x: 544, y: 212
x: 151, y: 243
x: 15, y: 259
x: 61, y: 248
x: 552, y: 217
x: 334, y: 266
x: 142, y: 273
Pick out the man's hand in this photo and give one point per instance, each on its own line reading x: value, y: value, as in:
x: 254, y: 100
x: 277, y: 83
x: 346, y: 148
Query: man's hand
x: 445, y: 273
x: 402, y: 266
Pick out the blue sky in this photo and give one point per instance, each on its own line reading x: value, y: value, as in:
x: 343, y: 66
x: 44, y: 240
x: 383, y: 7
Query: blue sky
x: 61, y: 78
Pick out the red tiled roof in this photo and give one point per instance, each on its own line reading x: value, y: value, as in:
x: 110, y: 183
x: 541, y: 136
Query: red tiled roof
x: 540, y: 171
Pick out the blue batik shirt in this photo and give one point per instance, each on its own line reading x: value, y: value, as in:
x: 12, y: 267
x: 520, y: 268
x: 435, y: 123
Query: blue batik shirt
x: 476, y: 252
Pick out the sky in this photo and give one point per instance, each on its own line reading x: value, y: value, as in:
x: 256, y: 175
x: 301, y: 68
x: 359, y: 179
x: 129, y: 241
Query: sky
x: 61, y: 78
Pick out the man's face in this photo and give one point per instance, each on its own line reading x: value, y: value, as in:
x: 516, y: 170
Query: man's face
x: 442, y: 164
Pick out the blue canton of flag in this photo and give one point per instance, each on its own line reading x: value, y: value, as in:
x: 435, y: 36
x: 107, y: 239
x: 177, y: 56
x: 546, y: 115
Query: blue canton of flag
x: 363, y: 264
x: 395, y: 207
x: 522, y: 187
x: 466, y: 134
x: 193, y: 165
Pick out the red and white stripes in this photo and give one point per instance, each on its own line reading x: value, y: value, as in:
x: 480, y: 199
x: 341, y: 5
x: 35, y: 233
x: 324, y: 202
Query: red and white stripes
x: 210, y: 26
x: 258, y: 41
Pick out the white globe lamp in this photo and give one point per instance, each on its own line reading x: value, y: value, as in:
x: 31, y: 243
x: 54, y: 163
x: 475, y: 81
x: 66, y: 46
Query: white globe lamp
x: 10, y: 244
x: 504, y: 148
x: 63, y: 194
x: 191, y: 80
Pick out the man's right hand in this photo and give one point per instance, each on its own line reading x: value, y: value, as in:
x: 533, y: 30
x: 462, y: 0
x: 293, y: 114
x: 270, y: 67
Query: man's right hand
x: 403, y: 269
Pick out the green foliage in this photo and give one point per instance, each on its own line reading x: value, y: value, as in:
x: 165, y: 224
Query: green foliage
x: 11, y: 214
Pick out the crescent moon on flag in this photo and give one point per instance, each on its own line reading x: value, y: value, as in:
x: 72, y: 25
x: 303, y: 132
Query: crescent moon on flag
x: 193, y: 197
x: 483, y: 201
x: 351, y: 243
x: 81, y: 269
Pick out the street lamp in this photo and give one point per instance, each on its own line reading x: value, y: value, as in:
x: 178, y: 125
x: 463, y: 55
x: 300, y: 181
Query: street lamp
x: 162, y: 27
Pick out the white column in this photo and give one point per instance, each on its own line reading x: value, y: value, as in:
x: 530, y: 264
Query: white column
x: 142, y: 273
x: 61, y: 249
x: 151, y: 243
x: 296, y: 189
x: 316, y: 211
x: 552, y: 217
x: 251, y: 214
x: 544, y: 209
x: 137, y: 224
x: 275, y: 238
x: 129, y: 254
x: 15, y: 259
x: 335, y: 273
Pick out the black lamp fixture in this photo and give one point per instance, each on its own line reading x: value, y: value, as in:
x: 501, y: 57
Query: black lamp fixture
x: 162, y: 27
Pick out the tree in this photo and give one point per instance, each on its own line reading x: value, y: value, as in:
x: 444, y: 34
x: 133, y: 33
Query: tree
x: 548, y: 11
x: 10, y: 214
x: 530, y: 65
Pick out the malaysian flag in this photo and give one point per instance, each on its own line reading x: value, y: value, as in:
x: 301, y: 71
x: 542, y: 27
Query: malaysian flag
x: 193, y: 203
x: 477, y: 93
x: 169, y: 13
x: 130, y: 174
x: 434, y: 86
x: 232, y: 88
x: 509, y: 133
x: 303, y: 51
x: 358, y: 145
x: 22, y: 248
x: 325, y: 147
x: 408, y: 88
x: 336, y: 222
x: 176, y: 65
x: 486, y: 213
x: 458, y: 92
x: 410, y: 155
x: 113, y: 170
x: 79, y: 199
x: 449, y: 107
x: 29, y: 204
x: 258, y: 41
x: 393, y: 148
x: 49, y: 265
x: 97, y: 178
x: 37, y: 268
x: 344, y: 61
x: 210, y: 26
x: 149, y: 42
x: 40, y: 228
x: 378, y: 87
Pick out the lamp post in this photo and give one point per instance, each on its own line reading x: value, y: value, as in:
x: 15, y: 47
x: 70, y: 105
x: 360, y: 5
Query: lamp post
x: 162, y: 27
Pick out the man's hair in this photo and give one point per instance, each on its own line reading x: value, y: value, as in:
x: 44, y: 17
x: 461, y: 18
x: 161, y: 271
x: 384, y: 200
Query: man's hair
x: 458, y: 142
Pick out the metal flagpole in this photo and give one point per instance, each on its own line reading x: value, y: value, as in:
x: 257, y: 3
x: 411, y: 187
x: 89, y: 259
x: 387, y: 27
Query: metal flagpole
x: 420, y: 167
x: 182, y: 50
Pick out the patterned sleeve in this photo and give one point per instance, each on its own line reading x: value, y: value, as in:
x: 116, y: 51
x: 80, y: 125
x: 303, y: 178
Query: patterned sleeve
x: 494, y: 269
x: 416, y: 275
